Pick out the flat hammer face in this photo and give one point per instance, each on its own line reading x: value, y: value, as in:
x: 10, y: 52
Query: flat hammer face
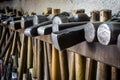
x: 59, y: 20
x: 104, y: 34
x: 108, y: 32
x: 91, y: 31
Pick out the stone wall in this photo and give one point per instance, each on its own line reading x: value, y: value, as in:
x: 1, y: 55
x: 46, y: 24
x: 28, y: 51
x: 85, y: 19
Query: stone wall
x: 65, y: 5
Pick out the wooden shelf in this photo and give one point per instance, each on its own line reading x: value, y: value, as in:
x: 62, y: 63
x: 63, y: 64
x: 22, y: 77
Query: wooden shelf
x: 106, y: 54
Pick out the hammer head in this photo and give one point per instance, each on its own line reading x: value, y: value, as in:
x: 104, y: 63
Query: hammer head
x: 59, y: 20
x: 68, y: 37
x: 104, y: 34
x: 45, y: 30
x: 32, y: 31
x: 108, y: 32
x: 39, y: 19
x: 62, y: 26
x: 91, y: 31
x: 81, y: 17
x: 26, y: 22
x: 15, y: 24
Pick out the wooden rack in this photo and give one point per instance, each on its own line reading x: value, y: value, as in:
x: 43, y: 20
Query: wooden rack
x: 106, y: 54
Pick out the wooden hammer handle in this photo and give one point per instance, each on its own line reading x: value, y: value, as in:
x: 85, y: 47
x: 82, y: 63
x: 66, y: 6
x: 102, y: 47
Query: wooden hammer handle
x: 55, y: 64
x: 23, y: 57
x: 30, y: 53
x: 63, y: 65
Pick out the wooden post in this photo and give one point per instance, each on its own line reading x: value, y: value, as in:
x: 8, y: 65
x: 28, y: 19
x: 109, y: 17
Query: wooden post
x: 95, y: 15
x: 105, y: 15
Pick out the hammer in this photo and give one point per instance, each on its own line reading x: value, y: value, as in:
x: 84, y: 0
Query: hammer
x: 103, y: 70
x: 23, y: 58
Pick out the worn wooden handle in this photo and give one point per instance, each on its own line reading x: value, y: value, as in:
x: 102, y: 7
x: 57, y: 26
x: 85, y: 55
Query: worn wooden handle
x: 103, y: 72
x: 40, y: 58
x: 72, y: 66
x: 91, y: 67
x: 80, y: 67
x: 63, y: 65
x: 47, y: 73
x: 49, y: 54
x: 7, y: 56
x: 115, y: 74
x: 30, y: 54
x: 23, y: 58
x: 55, y: 64
x: 34, y: 70
x: 2, y: 38
x: 7, y: 45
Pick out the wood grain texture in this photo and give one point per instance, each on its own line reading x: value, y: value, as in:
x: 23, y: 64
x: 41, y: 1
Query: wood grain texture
x: 80, y: 63
x: 30, y: 53
x: 49, y: 54
x: 40, y: 58
x: 72, y: 66
x: 46, y: 65
x: 55, y: 64
x: 23, y: 57
x: 63, y: 65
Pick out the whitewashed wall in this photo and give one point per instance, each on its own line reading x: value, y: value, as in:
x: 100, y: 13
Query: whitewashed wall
x: 65, y: 5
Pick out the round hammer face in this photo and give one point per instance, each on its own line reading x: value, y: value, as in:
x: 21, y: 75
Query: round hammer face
x: 35, y: 20
x: 104, y: 34
x: 89, y: 32
x: 27, y: 32
x: 57, y: 20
